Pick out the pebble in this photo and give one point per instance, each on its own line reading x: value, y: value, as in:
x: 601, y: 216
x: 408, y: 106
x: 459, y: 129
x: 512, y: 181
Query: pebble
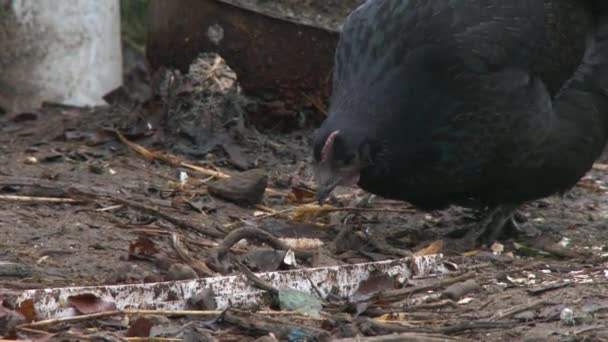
x: 246, y: 188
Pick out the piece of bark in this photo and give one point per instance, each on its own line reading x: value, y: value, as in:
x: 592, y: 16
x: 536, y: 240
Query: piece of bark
x: 246, y: 188
x: 459, y: 290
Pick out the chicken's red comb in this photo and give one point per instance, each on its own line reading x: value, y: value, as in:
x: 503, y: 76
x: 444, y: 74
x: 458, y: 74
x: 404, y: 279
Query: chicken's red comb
x: 327, y: 148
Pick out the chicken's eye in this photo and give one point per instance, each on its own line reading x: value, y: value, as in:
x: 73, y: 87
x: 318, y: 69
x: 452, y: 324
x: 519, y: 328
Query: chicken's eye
x: 345, y: 161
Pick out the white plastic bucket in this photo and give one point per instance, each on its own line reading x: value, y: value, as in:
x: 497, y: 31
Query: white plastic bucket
x: 66, y: 52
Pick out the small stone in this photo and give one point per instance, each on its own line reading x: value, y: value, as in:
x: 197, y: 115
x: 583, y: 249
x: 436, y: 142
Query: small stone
x: 96, y: 168
x: 202, y: 300
x: 31, y: 160
x: 8, y: 321
x: 127, y: 273
x: 525, y: 316
x: 246, y: 188
x: 181, y: 272
x: 567, y: 316
x: 267, y: 338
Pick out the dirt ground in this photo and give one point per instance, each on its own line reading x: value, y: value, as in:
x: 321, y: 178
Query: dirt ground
x: 88, y: 242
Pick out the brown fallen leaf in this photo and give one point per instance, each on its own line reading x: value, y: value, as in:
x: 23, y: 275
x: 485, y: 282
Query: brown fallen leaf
x: 434, y: 248
x: 309, y: 212
x: 140, y: 327
x: 88, y: 303
x: 26, y: 309
x: 396, y: 316
x: 300, y: 195
x: 142, y: 248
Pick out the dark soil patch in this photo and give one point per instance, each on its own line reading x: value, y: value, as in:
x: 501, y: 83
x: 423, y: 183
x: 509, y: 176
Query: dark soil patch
x: 61, y: 244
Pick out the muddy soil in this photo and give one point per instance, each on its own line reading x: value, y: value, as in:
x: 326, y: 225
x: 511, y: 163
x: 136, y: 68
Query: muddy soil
x: 60, y: 244
x: 89, y: 241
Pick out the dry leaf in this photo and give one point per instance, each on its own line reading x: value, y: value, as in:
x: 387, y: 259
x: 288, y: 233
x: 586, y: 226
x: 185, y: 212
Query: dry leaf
x: 300, y: 195
x: 397, y: 316
x: 471, y: 253
x: 88, y: 303
x: 140, y: 328
x: 302, y: 243
x: 26, y: 309
x: 142, y: 247
x: 434, y: 248
x: 309, y: 212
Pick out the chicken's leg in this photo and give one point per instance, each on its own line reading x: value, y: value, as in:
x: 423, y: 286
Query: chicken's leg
x: 493, y: 224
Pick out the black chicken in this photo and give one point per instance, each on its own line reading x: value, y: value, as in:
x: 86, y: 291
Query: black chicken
x: 478, y: 103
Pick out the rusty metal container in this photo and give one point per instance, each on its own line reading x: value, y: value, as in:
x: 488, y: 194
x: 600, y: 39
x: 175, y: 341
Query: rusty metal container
x: 281, y: 50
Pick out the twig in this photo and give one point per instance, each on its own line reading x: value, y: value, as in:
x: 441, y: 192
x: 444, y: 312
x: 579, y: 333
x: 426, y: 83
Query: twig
x: 410, y: 317
x: 131, y: 312
x: 21, y: 285
x: 588, y: 329
x: 199, y: 267
x: 203, y: 170
x: 377, y: 210
x: 448, y: 330
x: 55, y: 186
x: 325, y: 210
x: 346, y: 230
x: 151, y: 210
x: 403, y: 337
x: 15, y: 198
x: 311, y: 211
x: 77, y: 190
x: 484, y: 305
x: 265, y: 208
x: 35, y: 331
x: 476, y: 325
x: 112, y: 207
x: 433, y: 306
x: 384, y: 247
x: 175, y: 161
x: 558, y: 250
x: 317, y: 103
x: 455, y: 273
x: 255, y: 281
x: 399, y: 293
x: 519, y: 308
x: 259, y: 218
x: 199, y: 241
x: 152, y: 339
x: 248, y: 321
x: 548, y: 287
x: 216, y: 255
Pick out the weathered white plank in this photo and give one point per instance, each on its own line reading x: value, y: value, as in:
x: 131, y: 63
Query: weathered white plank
x: 229, y: 290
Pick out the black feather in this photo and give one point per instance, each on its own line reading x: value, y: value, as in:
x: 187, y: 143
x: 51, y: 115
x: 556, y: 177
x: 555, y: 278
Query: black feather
x: 472, y: 102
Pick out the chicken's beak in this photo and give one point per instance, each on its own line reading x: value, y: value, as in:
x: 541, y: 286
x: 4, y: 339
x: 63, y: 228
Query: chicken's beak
x: 327, y: 180
x: 324, y: 190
